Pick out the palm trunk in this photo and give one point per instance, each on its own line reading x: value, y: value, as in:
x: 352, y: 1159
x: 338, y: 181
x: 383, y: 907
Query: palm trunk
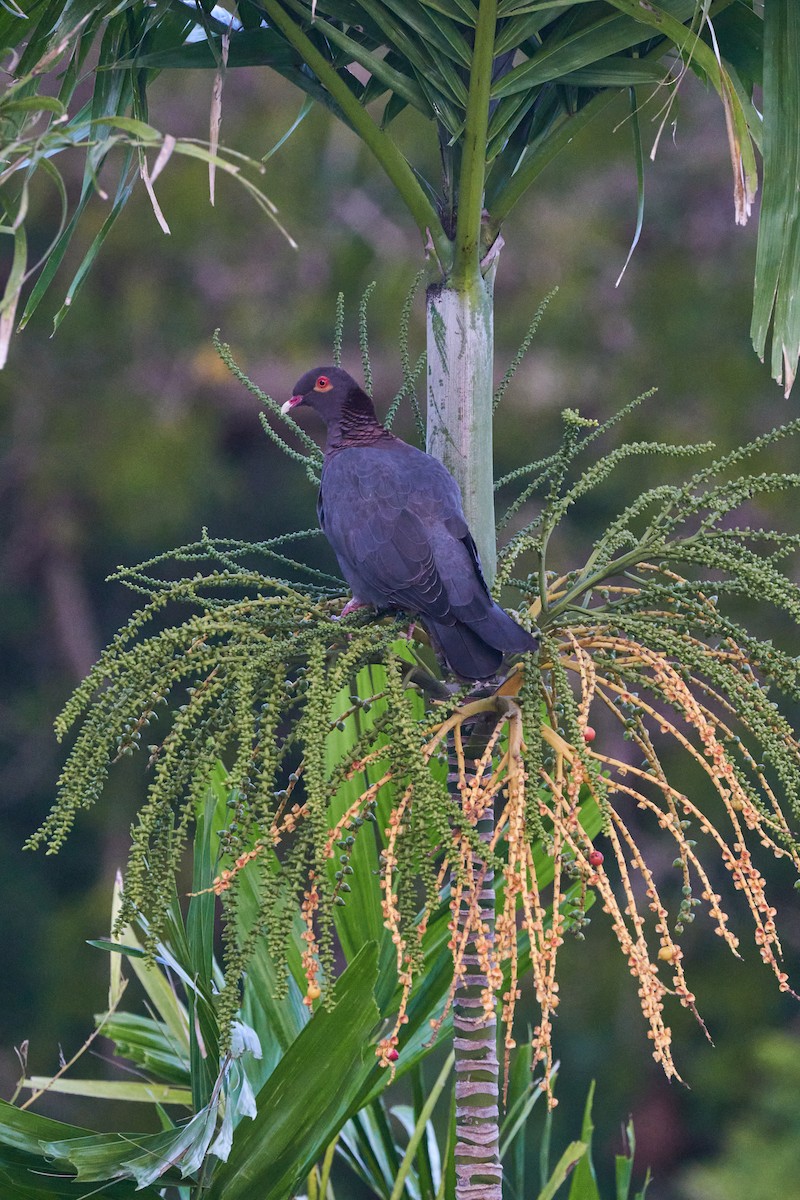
x: 479, y: 1172
x: 460, y: 327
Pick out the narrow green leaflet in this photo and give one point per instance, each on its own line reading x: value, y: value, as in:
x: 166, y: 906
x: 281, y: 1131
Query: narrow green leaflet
x: 639, y: 158
x: 574, y: 1152
x: 113, y: 1089
x: 523, y: 1092
x: 140, y: 130
x: 55, y: 257
x: 584, y: 1180
x: 305, y: 108
x: 506, y: 188
x: 582, y: 48
x: 420, y: 1128
x: 462, y: 11
x: 367, y: 1145
x: 203, y: 1026
x: 586, y: 42
x: 776, y: 302
x: 161, y: 996
x: 618, y: 70
x: 8, y: 305
x: 740, y: 36
x: 434, y: 29
x: 521, y: 27
x: 150, y: 1044
x: 400, y: 83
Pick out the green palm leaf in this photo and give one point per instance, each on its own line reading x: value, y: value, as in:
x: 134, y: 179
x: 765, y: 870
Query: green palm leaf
x: 778, y: 253
x: 305, y: 1101
x: 571, y: 60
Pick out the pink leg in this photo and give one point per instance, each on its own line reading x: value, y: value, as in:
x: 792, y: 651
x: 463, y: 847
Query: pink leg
x: 352, y: 605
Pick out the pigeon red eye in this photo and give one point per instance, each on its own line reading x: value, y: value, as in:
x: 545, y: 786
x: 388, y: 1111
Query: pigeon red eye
x: 323, y: 384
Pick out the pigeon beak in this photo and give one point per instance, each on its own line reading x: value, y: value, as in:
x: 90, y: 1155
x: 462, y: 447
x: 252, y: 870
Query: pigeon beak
x: 290, y: 404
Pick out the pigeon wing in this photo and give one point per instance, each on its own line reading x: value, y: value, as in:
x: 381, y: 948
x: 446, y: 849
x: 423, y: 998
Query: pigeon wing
x: 393, y: 520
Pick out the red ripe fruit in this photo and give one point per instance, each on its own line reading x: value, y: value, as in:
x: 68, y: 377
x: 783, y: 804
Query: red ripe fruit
x: 595, y: 858
x: 589, y: 734
x: 393, y: 1055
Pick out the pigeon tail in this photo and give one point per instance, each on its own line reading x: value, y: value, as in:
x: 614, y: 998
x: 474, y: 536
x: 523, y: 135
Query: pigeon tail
x: 476, y: 651
x: 465, y: 651
x: 503, y: 633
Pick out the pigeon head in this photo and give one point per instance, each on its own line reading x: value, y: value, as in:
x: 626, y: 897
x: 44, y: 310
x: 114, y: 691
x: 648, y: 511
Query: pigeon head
x: 345, y: 408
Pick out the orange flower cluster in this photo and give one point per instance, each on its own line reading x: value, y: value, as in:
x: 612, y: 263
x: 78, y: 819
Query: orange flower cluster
x: 671, y: 704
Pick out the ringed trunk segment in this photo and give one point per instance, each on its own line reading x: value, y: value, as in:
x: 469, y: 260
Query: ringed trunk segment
x: 460, y: 346
x: 479, y: 1171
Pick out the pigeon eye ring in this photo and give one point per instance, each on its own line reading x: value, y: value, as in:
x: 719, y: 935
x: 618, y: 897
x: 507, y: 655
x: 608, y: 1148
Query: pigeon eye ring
x: 323, y: 384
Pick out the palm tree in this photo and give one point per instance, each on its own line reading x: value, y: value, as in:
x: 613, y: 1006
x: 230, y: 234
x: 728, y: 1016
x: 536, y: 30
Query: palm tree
x: 499, y: 87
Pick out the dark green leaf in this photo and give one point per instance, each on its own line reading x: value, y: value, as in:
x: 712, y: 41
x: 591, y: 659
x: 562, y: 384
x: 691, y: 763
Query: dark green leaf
x: 25, y: 1172
x: 740, y: 36
x: 618, y: 70
x: 248, y: 48
x: 88, y: 258
x: 512, y: 186
x: 117, y: 948
x: 583, y: 43
x: 203, y: 1028
x: 518, y: 29
x: 571, y: 1156
x: 367, y: 1145
x: 584, y: 1180
x: 462, y: 11
x: 434, y: 30
x: 149, y: 1044
x: 305, y: 1101
x: 623, y: 1164
x: 277, y: 1019
x: 776, y: 300
x: 398, y: 81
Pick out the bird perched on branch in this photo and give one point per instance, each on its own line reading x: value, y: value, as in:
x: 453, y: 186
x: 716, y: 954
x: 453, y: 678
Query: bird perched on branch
x: 394, y: 518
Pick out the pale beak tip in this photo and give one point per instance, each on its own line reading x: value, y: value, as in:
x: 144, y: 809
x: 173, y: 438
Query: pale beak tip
x: 290, y: 404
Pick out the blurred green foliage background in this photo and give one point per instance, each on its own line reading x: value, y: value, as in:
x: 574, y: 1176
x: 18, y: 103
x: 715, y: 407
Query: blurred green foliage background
x: 124, y: 435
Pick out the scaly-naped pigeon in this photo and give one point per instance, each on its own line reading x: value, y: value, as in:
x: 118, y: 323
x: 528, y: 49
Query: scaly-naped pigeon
x: 394, y: 518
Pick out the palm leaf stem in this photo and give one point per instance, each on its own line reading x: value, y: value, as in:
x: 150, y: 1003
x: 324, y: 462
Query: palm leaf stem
x: 473, y: 160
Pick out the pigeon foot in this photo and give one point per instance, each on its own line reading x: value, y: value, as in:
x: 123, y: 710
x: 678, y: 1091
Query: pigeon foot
x: 352, y: 606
